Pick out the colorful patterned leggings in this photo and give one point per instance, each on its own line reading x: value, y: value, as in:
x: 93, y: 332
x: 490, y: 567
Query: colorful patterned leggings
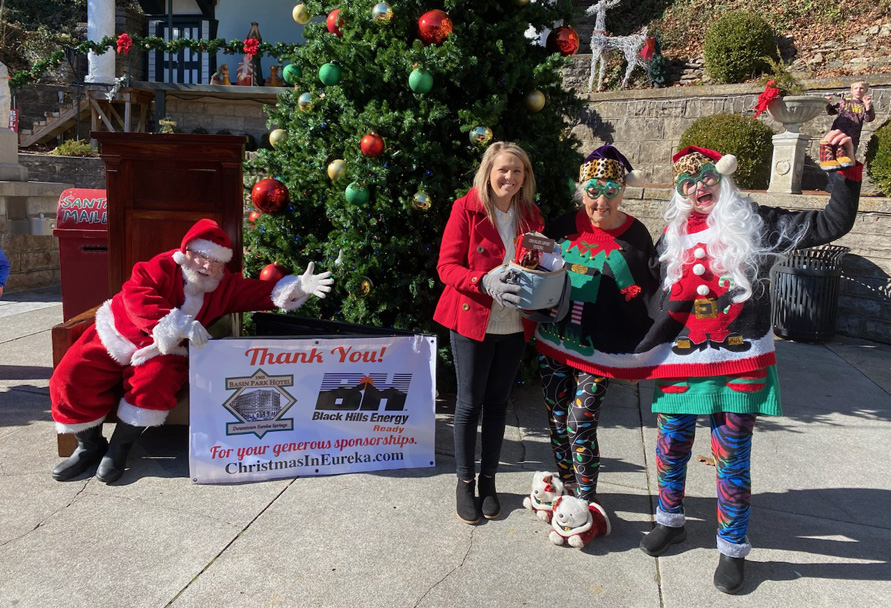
x: 731, y: 447
x: 573, y: 399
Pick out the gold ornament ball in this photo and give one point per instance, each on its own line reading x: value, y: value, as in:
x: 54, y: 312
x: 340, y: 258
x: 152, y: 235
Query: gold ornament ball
x: 365, y: 287
x: 304, y: 102
x: 336, y: 169
x: 535, y: 100
x: 277, y: 137
x: 480, y: 135
x: 521, y: 2
x: 422, y: 201
x: 382, y: 13
x: 301, y: 14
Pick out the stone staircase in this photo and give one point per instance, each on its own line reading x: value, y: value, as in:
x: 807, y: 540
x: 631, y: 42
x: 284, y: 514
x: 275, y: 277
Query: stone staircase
x: 56, y: 122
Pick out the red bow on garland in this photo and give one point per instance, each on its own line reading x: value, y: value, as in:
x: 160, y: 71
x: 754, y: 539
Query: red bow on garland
x: 251, y: 46
x: 770, y: 93
x: 125, y: 43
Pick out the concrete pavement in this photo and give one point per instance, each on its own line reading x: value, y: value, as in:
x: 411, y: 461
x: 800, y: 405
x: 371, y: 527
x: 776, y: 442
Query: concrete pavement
x: 820, y: 520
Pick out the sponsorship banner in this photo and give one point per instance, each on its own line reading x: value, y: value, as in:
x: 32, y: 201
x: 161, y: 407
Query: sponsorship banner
x: 268, y: 408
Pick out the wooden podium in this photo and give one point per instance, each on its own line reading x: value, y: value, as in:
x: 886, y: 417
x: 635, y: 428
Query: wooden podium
x: 157, y: 187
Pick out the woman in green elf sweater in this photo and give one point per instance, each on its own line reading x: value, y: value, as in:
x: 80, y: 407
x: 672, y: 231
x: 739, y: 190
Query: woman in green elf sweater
x: 610, y: 257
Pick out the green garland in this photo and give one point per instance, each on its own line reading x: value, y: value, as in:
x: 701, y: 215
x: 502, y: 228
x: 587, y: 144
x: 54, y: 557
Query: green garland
x: 148, y: 43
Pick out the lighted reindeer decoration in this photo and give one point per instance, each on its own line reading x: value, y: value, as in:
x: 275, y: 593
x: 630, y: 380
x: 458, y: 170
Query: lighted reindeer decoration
x: 601, y: 44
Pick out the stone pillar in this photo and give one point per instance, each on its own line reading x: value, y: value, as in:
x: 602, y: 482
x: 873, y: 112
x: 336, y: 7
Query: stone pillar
x: 100, y: 23
x: 787, y: 164
x: 10, y: 169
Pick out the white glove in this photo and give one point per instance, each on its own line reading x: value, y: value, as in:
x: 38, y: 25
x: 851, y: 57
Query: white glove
x: 315, y: 284
x: 196, y: 334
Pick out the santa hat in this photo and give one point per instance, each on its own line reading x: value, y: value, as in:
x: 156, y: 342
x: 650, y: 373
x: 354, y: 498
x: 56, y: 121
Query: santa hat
x: 691, y: 159
x: 207, y: 238
x: 606, y: 162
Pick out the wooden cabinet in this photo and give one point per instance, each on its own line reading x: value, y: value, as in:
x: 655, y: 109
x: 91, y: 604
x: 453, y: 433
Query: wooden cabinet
x: 158, y: 185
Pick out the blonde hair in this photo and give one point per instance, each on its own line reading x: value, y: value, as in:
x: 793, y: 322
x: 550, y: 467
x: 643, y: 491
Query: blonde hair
x: 522, y: 200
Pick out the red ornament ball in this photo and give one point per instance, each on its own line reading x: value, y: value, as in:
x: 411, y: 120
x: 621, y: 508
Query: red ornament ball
x: 434, y: 27
x: 372, y: 145
x: 563, y: 40
x: 253, y: 216
x: 269, y: 195
x: 273, y: 272
x: 334, y: 22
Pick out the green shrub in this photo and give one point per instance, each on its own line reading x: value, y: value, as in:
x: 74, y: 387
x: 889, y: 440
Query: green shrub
x: 735, y: 47
x: 74, y: 147
x: 878, y: 158
x: 746, y: 138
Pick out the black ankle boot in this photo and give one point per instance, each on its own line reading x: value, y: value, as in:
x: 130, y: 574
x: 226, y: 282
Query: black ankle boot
x: 491, y: 508
x: 115, y: 460
x: 91, y: 445
x: 661, y: 538
x: 729, y: 575
x: 466, y: 501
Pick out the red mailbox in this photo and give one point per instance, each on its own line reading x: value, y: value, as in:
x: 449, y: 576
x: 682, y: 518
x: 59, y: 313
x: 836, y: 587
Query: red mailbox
x: 82, y: 228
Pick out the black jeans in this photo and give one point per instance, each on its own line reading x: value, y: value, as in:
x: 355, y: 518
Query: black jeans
x: 486, y: 371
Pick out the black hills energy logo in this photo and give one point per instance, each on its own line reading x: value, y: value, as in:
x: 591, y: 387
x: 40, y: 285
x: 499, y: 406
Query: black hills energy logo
x: 259, y: 402
x: 345, y: 392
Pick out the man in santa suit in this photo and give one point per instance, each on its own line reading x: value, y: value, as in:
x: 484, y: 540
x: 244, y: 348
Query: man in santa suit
x: 139, y: 338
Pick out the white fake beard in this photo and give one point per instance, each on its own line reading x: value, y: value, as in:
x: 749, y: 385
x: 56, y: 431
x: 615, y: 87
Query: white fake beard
x: 197, y: 283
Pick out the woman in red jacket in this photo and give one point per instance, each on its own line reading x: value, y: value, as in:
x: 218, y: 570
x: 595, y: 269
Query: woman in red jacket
x: 479, y: 306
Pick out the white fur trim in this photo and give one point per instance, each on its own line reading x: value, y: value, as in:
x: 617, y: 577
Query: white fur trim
x: 139, y: 416
x: 210, y: 249
x: 63, y: 429
x: 727, y: 165
x: 733, y: 550
x: 118, y: 347
x: 635, y: 178
x: 170, y: 330
x: 670, y: 520
x: 288, y: 293
x: 179, y: 257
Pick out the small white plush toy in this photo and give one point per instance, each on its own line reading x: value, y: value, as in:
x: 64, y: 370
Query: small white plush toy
x: 546, y: 488
x: 577, y: 523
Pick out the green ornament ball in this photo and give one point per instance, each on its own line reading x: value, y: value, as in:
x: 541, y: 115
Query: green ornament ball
x: 420, y: 81
x: 357, y: 194
x: 292, y: 73
x: 330, y: 74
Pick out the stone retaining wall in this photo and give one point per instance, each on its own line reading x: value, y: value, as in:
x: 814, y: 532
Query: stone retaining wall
x: 647, y: 124
x: 82, y: 172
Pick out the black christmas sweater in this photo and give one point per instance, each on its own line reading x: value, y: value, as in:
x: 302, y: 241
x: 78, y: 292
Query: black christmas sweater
x: 611, y: 272
x: 693, y: 330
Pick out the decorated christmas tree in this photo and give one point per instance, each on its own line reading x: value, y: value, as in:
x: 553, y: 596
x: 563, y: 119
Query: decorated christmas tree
x: 392, y: 106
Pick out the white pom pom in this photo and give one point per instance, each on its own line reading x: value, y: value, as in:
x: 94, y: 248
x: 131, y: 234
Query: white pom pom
x: 727, y: 165
x: 635, y: 178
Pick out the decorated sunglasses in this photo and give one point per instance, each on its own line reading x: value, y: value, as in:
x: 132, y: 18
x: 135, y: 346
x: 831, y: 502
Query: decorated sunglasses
x: 708, y: 175
x: 610, y: 189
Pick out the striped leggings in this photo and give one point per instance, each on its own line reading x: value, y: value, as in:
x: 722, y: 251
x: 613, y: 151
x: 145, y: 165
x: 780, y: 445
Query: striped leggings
x: 731, y: 448
x: 573, y: 399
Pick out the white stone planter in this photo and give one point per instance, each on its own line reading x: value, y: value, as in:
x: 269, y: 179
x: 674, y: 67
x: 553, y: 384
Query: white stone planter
x: 795, y: 110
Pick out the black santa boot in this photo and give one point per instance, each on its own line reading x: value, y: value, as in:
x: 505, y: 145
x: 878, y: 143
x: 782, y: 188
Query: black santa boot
x: 91, y: 445
x: 115, y: 460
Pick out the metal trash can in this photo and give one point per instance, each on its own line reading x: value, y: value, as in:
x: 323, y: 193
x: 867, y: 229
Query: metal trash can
x: 82, y: 229
x: 804, y: 293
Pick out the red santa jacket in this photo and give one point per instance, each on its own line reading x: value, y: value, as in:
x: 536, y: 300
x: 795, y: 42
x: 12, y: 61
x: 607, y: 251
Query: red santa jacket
x: 471, y: 247
x: 154, y: 298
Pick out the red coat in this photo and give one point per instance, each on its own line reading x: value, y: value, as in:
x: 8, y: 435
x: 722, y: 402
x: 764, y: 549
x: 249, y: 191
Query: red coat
x: 471, y: 247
